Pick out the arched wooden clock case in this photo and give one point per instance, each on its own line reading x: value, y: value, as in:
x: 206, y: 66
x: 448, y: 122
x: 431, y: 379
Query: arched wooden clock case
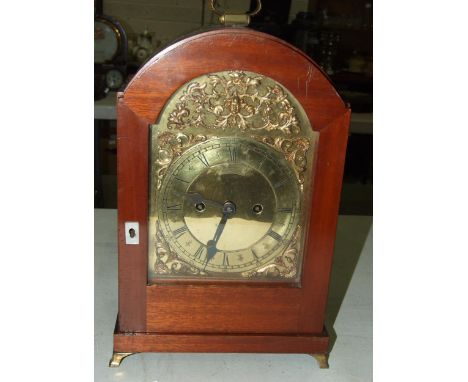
x: 231, y: 82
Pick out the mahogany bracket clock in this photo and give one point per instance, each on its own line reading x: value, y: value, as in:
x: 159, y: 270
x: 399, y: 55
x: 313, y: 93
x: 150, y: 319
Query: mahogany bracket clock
x: 231, y: 146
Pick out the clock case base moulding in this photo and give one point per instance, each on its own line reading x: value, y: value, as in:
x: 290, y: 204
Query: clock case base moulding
x: 126, y: 344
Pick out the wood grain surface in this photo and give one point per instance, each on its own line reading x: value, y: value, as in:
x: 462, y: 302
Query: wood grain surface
x: 220, y: 343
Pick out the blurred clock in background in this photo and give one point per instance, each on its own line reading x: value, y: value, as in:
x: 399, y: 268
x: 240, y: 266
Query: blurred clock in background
x: 114, y: 79
x: 107, y: 40
x: 110, y: 54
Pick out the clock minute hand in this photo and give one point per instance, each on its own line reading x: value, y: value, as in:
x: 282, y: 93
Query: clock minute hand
x: 211, y: 245
x: 229, y: 210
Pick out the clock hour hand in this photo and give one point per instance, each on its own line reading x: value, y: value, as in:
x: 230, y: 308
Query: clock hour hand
x: 197, y: 198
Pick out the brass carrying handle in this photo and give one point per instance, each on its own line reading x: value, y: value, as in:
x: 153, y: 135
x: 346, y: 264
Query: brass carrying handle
x: 253, y: 13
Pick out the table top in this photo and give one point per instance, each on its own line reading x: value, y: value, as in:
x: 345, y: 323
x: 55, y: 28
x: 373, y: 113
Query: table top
x: 349, y: 322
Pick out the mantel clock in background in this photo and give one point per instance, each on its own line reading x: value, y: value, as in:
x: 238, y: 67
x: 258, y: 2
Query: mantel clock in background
x: 110, y: 53
x: 231, y: 145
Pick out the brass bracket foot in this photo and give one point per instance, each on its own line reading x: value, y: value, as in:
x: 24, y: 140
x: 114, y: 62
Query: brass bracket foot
x: 322, y: 360
x: 117, y: 358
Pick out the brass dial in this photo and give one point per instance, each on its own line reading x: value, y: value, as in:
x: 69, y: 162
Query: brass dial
x: 229, y: 205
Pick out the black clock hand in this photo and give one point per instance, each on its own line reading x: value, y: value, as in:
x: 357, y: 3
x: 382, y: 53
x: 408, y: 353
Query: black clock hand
x: 197, y: 198
x: 229, y: 209
x: 211, y: 245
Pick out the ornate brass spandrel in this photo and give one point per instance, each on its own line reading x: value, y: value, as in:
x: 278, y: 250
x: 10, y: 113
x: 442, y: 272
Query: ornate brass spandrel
x: 167, y: 262
x: 235, y: 99
x: 284, y: 265
x: 293, y: 149
x: 169, y: 147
